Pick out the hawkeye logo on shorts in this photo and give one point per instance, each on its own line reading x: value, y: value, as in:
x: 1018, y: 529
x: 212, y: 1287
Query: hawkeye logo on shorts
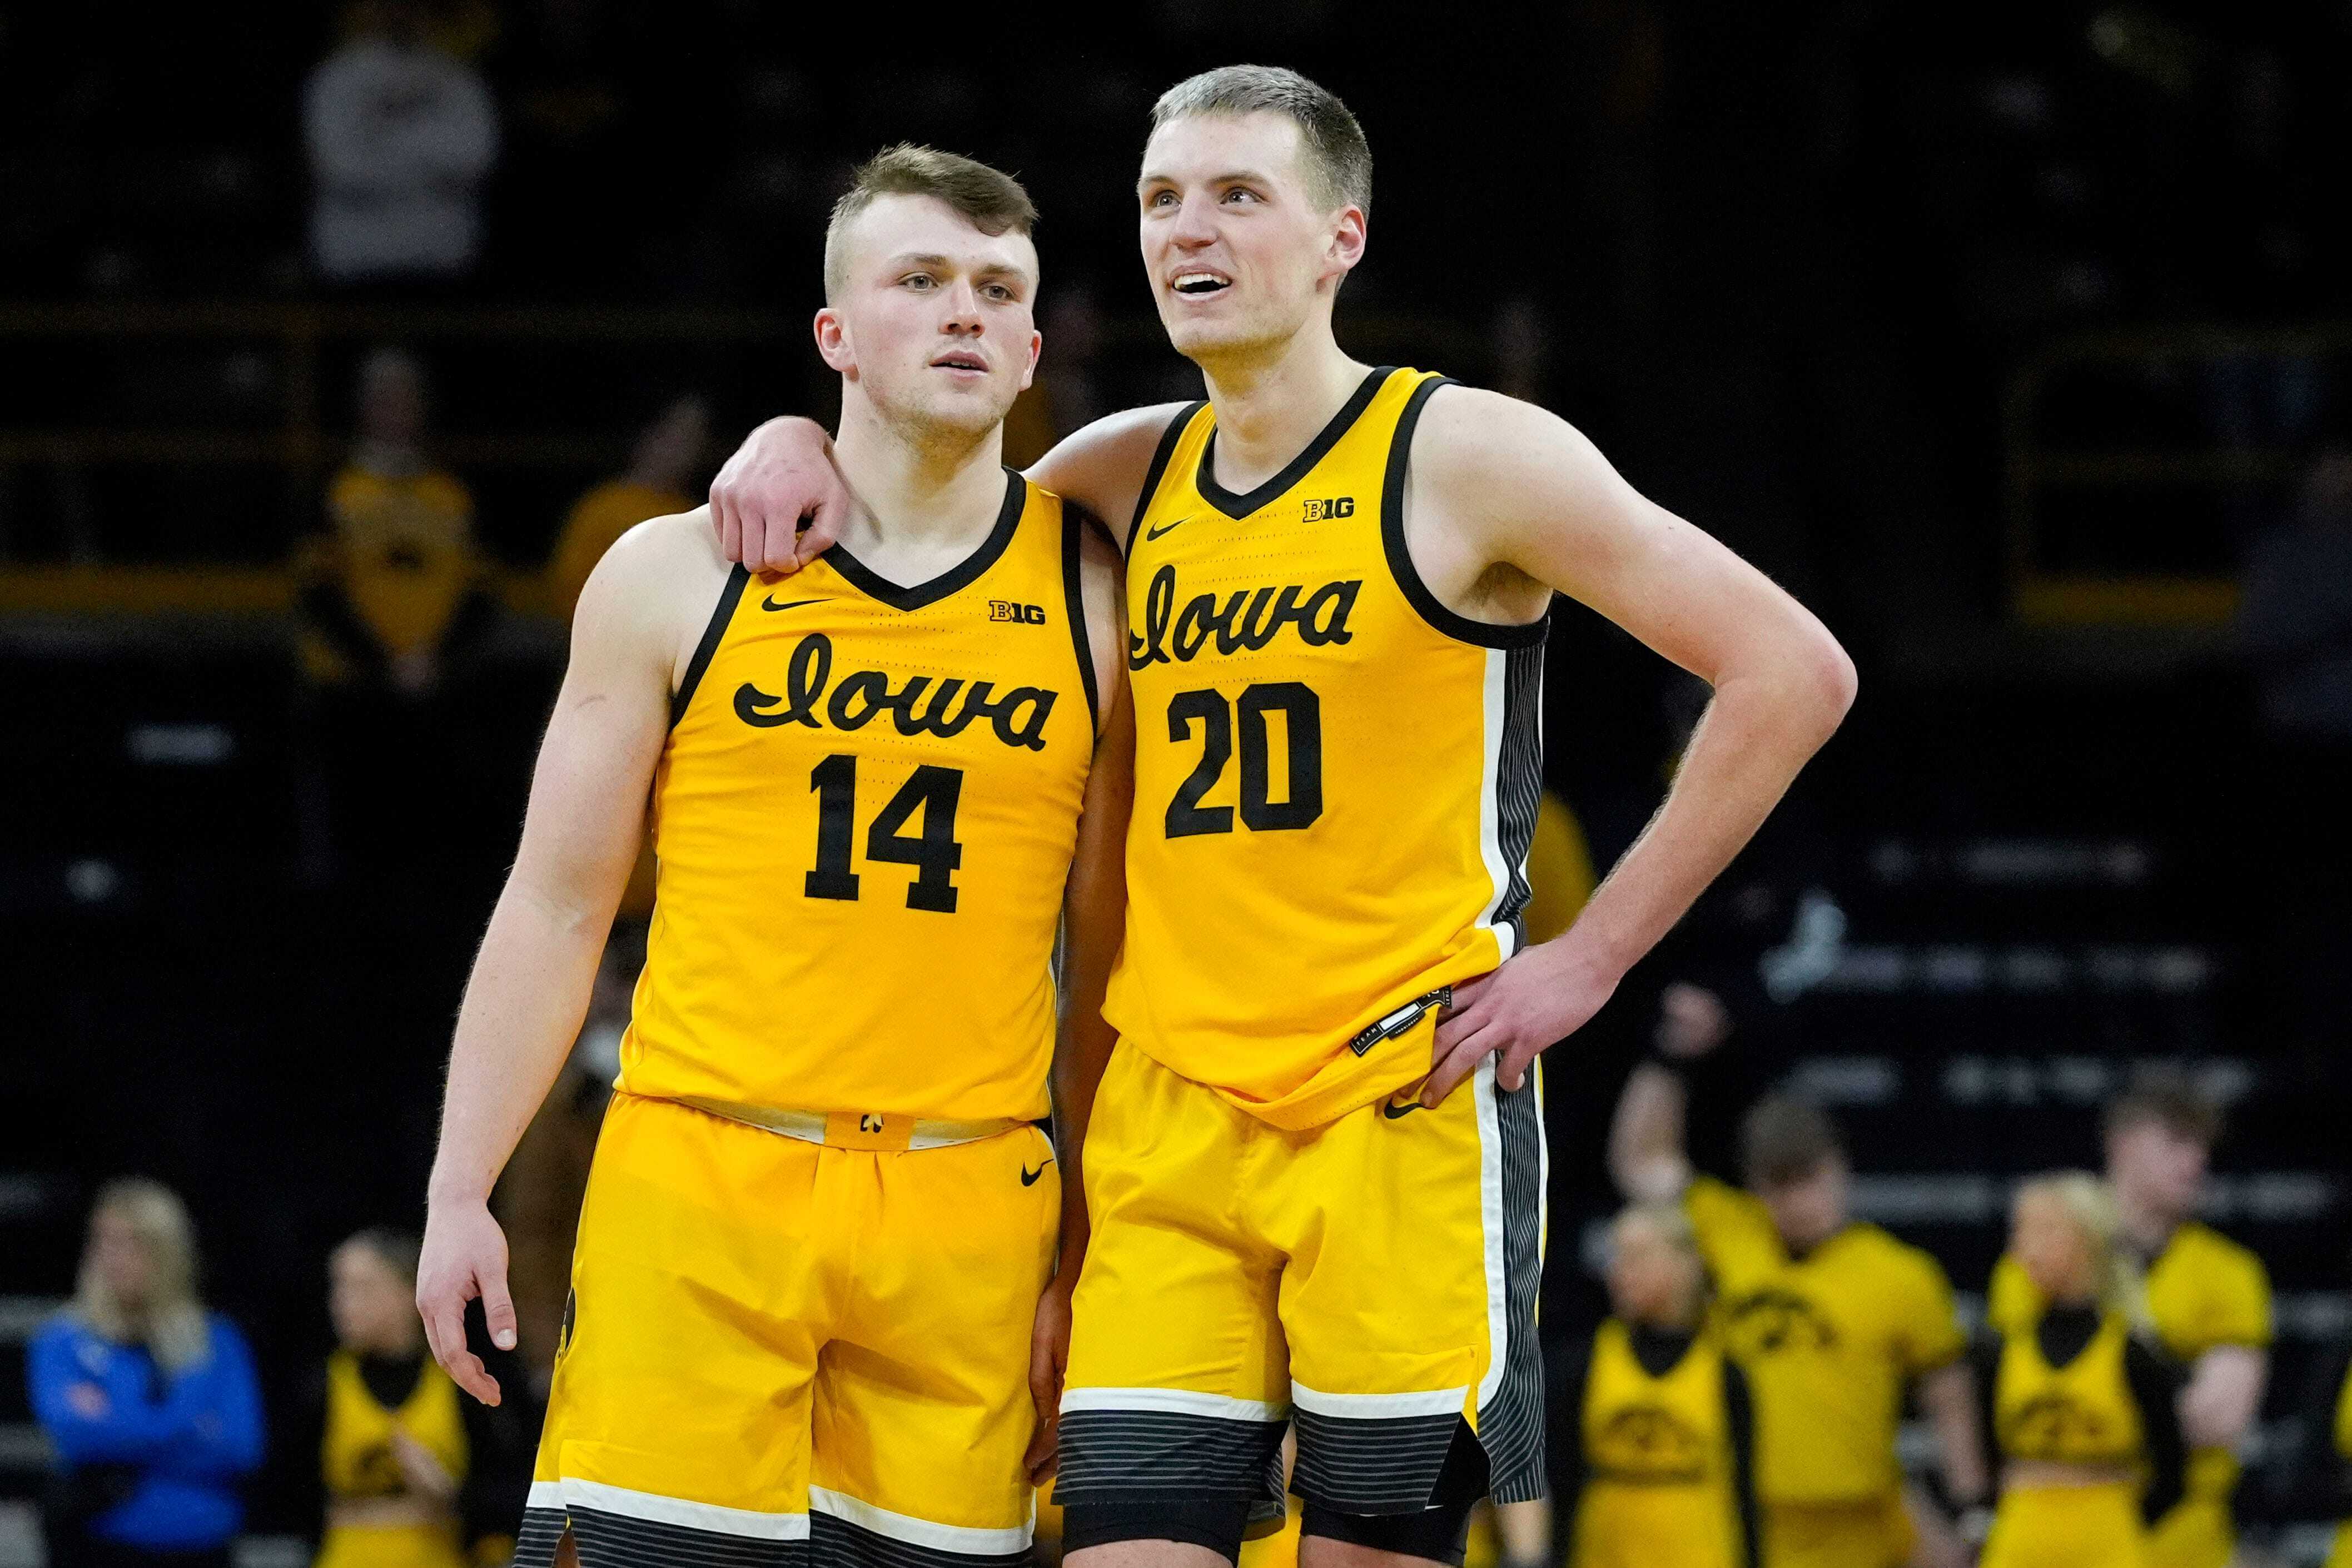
x: 1248, y: 619
x: 1338, y: 507
x: 1017, y: 715
x: 1024, y: 614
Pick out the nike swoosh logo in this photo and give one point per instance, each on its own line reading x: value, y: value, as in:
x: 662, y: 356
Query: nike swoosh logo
x: 1150, y: 534
x: 1391, y: 1110
x: 770, y: 603
x: 1029, y: 1178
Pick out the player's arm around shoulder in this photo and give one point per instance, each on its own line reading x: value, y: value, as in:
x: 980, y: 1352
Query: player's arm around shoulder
x: 778, y: 502
x: 1108, y: 467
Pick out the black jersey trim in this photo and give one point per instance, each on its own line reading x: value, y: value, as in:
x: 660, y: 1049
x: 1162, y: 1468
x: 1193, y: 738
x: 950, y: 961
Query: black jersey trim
x: 728, y: 598
x: 1483, y: 634
x: 962, y: 575
x: 1075, y: 521
x: 1240, y: 507
x: 1159, y: 469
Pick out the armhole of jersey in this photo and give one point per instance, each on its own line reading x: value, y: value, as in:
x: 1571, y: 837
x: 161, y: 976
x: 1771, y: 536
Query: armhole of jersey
x: 728, y: 597
x: 1159, y: 469
x: 1075, y: 521
x: 1460, y: 628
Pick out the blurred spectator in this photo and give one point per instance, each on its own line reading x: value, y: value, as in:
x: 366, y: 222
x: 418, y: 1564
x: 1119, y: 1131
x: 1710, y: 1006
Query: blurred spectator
x: 538, y: 1199
x: 668, y: 453
x: 2083, y: 1408
x: 395, y: 589
x: 401, y: 138
x: 150, y: 1402
x: 1832, y: 1320
x: 1652, y: 1430
x: 411, y: 1470
x: 2207, y: 1298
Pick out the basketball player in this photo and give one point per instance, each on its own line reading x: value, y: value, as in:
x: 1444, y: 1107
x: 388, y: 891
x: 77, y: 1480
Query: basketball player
x: 817, y: 1254
x: 1338, y: 580
x: 2208, y: 1297
x: 1831, y: 1318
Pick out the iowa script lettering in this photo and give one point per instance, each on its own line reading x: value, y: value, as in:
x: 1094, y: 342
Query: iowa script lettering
x: 1246, y: 620
x: 1018, y: 716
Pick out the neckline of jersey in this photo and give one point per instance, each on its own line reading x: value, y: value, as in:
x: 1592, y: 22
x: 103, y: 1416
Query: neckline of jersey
x: 1240, y: 507
x: 873, y: 585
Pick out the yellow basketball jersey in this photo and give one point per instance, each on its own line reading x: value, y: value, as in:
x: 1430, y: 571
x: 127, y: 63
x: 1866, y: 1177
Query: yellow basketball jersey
x: 863, y: 823
x: 356, y: 1458
x: 1657, y: 1455
x: 2079, y: 1413
x: 1336, y: 776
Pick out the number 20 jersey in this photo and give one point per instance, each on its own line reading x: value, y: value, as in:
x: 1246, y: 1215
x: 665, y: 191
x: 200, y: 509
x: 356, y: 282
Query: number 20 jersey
x: 862, y: 823
x: 1335, y: 775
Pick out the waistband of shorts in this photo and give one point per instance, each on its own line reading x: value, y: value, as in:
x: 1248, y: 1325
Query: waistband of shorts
x: 885, y: 1131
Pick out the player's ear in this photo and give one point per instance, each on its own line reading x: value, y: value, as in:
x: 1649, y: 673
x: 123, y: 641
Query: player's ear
x: 833, y: 345
x: 1347, y: 241
x: 1036, y: 347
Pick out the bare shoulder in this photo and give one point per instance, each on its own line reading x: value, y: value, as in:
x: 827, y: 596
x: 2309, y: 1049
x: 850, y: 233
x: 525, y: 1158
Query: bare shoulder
x: 653, y: 589
x: 1107, y: 465
x: 1482, y: 445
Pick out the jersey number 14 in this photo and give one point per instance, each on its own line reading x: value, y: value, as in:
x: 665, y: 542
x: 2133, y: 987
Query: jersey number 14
x: 934, y: 851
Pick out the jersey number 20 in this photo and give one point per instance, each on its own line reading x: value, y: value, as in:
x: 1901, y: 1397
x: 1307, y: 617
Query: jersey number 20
x: 1302, y: 724
x: 933, y: 791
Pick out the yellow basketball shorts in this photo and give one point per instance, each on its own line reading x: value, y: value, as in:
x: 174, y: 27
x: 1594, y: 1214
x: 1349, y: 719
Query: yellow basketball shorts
x: 784, y: 1353
x: 1370, y: 1283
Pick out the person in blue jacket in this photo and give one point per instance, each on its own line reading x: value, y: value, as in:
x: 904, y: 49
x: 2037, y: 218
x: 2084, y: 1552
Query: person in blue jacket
x: 149, y: 1401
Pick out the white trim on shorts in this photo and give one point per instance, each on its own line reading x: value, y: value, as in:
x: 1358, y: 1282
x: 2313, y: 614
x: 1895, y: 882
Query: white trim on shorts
x: 1177, y: 1401
x: 572, y: 1492
x: 966, y: 1539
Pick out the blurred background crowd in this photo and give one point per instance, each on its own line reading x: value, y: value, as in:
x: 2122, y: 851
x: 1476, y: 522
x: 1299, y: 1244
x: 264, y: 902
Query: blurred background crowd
x: 2016, y: 339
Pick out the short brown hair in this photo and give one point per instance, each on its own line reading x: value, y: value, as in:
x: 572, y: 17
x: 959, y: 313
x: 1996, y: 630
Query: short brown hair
x: 2170, y: 1098
x: 1338, y: 159
x: 992, y: 199
x: 1784, y: 1140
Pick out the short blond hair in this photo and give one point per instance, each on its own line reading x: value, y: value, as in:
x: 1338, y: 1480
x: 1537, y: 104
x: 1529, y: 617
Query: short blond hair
x: 1338, y: 159
x: 993, y: 200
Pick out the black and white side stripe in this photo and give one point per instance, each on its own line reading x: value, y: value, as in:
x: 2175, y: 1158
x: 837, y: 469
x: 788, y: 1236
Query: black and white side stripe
x: 1510, y: 1397
x: 1136, y: 1444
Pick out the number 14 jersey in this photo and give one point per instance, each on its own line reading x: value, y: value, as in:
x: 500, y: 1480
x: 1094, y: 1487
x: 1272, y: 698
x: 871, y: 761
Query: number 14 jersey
x: 1335, y: 775
x: 863, y: 823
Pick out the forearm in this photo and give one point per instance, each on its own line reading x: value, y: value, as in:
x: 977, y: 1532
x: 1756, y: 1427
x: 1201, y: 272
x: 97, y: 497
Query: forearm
x: 523, y: 1010
x: 1759, y: 729
x: 1647, y: 1157
x: 1948, y: 1396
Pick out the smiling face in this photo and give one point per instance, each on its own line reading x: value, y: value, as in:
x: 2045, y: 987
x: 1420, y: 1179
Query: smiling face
x: 934, y: 322
x: 1241, y: 253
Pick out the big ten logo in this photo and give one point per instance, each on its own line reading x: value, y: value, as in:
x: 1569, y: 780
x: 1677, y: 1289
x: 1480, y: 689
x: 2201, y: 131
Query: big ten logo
x: 1027, y: 614
x: 1338, y: 507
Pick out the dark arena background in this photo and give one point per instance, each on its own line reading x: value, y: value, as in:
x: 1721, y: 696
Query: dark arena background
x: 2015, y: 339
